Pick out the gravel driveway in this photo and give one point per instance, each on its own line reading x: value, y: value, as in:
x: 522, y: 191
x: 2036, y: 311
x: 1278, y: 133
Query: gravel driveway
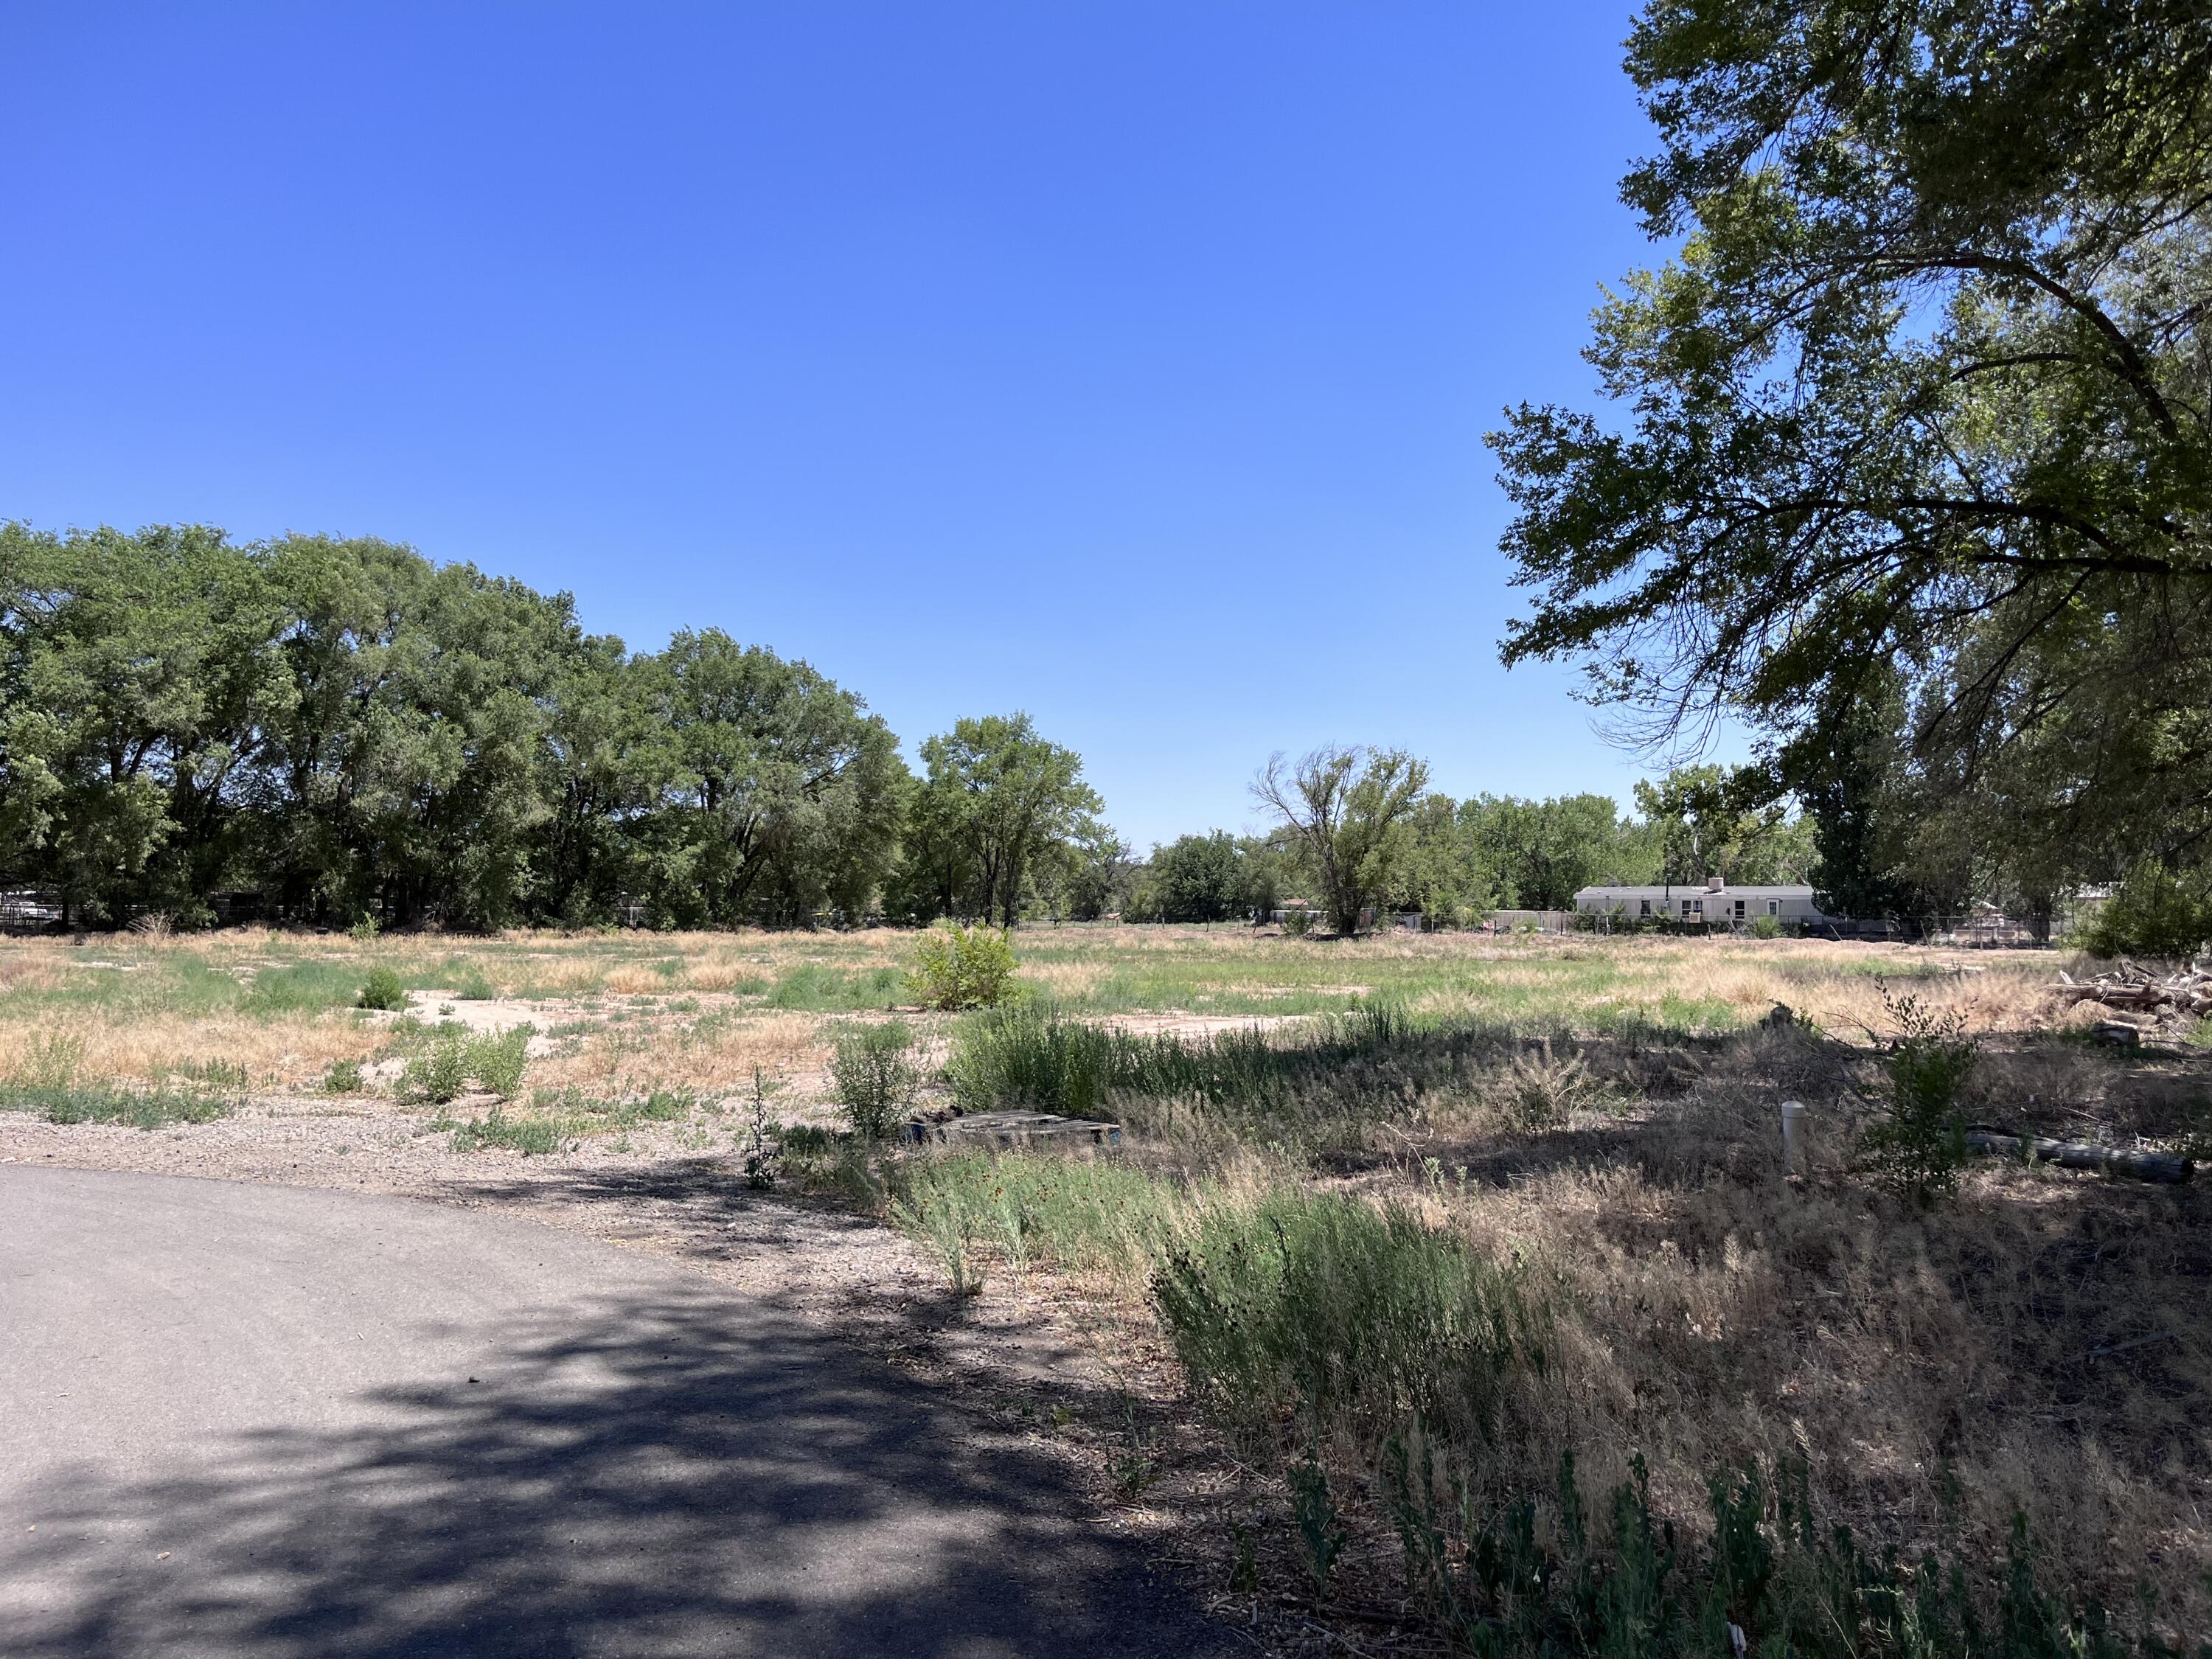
x: 249, y: 1420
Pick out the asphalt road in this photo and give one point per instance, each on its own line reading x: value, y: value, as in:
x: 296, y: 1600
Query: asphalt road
x: 252, y: 1421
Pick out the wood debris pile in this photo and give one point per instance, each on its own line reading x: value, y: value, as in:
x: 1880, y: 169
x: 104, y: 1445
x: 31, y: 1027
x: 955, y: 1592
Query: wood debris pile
x: 2176, y: 997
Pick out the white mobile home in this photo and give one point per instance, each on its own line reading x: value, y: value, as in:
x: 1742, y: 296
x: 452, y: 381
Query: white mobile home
x: 1714, y: 903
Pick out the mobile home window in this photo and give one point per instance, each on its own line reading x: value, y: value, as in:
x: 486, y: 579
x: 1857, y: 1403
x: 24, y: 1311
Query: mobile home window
x: 1774, y: 907
x: 1646, y: 910
x: 1739, y: 910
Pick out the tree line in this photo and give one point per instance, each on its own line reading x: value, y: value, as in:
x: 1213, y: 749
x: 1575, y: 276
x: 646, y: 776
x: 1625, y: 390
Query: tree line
x: 335, y: 731
x: 344, y: 731
x: 1358, y: 830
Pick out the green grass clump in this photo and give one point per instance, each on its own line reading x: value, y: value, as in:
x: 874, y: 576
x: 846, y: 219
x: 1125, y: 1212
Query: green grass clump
x: 344, y: 1078
x: 383, y: 991
x: 530, y: 1136
x: 475, y: 988
x: 1072, y: 1212
x: 1316, y: 1077
x: 1360, y: 1314
x: 813, y: 988
x: 152, y: 1108
x: 301, y: 988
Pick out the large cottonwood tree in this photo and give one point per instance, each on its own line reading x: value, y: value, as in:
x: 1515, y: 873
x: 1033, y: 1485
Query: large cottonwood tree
x: 1916, y: 417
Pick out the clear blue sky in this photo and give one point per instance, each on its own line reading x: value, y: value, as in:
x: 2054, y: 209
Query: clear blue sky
x: 1125, y: 364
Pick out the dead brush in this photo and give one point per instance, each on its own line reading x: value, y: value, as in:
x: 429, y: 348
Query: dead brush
x: 1541, y: 1088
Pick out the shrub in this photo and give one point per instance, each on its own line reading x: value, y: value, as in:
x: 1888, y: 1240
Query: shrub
x: 1766, y: 927
x: 958, y: 967
x: 383, y: 991
x: 2154, y: 913
x: 873, y: 1071
x: 441, y: 1072
x: 344, y: 1078
x: 497, y: 1062
x: 1920, y: 1145
x: 364, y: 930
x: 1297, y: 924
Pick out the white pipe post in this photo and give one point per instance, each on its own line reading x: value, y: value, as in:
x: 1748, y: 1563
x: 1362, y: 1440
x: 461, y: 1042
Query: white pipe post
x: 1794, y: 1136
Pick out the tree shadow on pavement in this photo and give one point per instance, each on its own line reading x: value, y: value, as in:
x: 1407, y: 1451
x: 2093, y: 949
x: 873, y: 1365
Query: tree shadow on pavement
x: 682, y: 1474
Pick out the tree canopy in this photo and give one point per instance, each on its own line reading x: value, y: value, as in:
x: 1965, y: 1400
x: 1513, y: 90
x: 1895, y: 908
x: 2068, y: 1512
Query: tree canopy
x: 1912, y: 465
x: 346, y: 730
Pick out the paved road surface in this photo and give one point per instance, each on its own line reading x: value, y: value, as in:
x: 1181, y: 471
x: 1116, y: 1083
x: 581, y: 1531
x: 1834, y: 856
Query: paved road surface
x: 251, y: 1420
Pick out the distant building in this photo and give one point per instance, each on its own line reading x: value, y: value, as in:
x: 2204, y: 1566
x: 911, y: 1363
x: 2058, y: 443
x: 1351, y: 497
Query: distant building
x: 1716, y: 904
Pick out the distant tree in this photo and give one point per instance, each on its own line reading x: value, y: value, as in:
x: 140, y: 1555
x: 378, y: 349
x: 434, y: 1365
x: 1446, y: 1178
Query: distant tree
x: 1101, y: 879
x: 354, y: 730
x: 1541, y: 853
x: 1198, y: 879
x: 997, y: 799
x: 1349, y: 806
x: 785, y: 794
x: 140, y: 679
x: 1443, y: 874
x: 1711, y: 822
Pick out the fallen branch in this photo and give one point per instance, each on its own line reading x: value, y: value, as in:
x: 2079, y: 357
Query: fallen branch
x: 2082, y: 1155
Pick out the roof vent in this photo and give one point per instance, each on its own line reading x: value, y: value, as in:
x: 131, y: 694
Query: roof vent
x: 1716, y: 885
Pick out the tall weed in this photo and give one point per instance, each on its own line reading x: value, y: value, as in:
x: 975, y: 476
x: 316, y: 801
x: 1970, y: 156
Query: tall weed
x: 872, y: 1068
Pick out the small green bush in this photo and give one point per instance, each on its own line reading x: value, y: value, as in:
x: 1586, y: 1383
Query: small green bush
x: 440, y: 1072
x: 344, y: 1078
x: 1766, y: 927
x: 497, y: 1062
x: 383, y: 991
x: 2155, y: 914
x: 1297, y: 924
x: 363, y: 931
x: 873, y: 1071
x: 959, y: 968
x: 1920, y: 1146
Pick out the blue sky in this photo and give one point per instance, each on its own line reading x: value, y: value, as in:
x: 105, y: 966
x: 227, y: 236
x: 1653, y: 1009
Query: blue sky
x: 1128, y: 364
